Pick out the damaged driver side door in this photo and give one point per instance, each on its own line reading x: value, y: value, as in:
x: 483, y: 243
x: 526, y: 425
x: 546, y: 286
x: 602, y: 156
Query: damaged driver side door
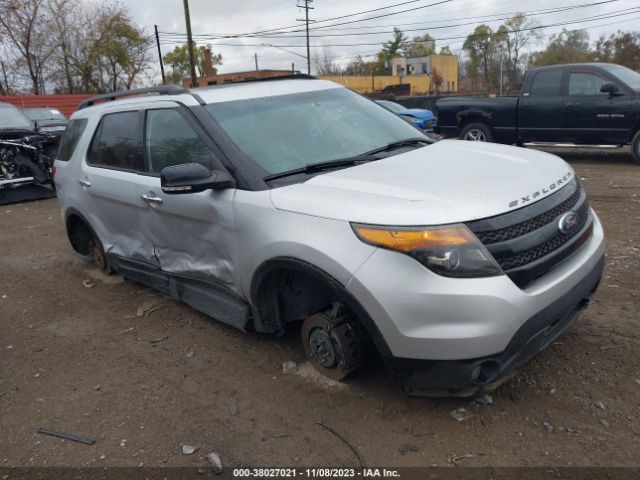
x: 189, y: 234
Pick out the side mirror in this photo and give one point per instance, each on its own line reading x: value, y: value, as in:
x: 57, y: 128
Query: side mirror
x: 192, y: 178
x: 610, y: 88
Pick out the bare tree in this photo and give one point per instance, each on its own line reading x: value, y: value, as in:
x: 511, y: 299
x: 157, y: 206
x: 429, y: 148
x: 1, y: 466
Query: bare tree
x: 325, y: 62
x: 24, y: 24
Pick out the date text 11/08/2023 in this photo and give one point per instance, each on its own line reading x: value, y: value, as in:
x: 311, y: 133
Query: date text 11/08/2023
x: 315, y: 473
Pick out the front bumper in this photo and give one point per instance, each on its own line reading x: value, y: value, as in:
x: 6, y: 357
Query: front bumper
x: 467, y: 377
x: 443, y: 328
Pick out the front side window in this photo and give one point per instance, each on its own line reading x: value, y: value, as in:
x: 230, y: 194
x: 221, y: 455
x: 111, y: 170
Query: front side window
x: 70, y: 138
x: 116, y: 142
x: 546, y: 83
x: 170, y: 140
x: 585, y: 84
x: 286, y: 132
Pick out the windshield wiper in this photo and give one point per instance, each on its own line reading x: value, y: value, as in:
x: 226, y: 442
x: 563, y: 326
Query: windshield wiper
x: 328, y: 165
x: 407, y: 142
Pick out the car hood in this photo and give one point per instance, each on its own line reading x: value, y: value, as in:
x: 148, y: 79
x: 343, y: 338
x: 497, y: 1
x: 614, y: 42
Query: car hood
x: 447, y: 182
x: 417, y: 112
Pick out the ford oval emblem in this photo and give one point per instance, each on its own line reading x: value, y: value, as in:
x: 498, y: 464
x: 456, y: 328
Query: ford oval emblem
x: 568, y: 222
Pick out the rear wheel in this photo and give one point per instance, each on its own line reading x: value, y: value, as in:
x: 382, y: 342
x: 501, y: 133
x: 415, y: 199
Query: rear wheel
x: 99, y: 258
x: 635, y: 147
x: 335, y: 346
x: 476, y: 132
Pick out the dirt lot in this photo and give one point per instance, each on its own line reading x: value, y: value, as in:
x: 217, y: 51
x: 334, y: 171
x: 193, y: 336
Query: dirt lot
x: 79, y: 359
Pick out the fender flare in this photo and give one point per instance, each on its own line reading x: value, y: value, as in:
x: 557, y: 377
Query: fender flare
x: 295, y: 264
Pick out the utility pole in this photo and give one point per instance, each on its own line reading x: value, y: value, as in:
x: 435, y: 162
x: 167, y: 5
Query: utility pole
x: 255, y: 56
x: 307, y: 7
x: 192, y: 61
x: 164, y: 80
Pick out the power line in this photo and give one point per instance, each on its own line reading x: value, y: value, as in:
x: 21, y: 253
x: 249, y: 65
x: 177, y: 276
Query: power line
x: 315, y: 27
x: 537, y: 27
x: 343, y: 23
x: 425, y: 28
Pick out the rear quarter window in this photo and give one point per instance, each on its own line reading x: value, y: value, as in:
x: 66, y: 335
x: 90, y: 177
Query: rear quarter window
x: 70, y: 138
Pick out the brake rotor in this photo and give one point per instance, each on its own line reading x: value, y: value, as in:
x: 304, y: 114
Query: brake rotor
x: 320, y: 348
x: 98, y: 256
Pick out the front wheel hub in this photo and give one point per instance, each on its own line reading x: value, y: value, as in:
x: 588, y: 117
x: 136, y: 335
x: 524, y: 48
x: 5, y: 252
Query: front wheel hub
x: 322, y: 349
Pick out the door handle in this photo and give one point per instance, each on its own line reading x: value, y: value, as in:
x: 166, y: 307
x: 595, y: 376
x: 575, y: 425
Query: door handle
x: 150, y: 199
x: 84, y: 183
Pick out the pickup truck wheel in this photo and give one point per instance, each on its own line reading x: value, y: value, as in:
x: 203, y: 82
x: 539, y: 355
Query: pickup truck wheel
x: 635, y: 147
x: 477, y: 132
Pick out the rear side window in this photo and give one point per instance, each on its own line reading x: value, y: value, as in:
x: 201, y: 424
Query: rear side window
x: 70, y: 138
x: 170, y: 140
x: 547, y: 83
x: 116, y: 143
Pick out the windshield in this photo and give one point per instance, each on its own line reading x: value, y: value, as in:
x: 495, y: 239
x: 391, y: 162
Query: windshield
x: 11, y: 117
x: 626, y: 75
x: 282, y: 133
x: 43, y: 114
x: 394, y: 107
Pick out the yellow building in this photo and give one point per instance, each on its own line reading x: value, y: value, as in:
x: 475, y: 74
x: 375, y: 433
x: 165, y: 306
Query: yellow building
x: 369, y: 84
x: 445, y: 66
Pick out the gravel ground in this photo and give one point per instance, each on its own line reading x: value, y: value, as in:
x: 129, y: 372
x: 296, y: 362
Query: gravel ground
x: 86, y: 358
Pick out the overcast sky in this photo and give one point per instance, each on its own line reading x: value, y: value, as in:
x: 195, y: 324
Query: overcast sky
x: 216, y: 17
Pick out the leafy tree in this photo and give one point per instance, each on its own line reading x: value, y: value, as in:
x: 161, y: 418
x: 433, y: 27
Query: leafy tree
x: 178, y: 59
x: 420, y: 46
x: 445, y: 50
x: 390, y: 50
x: 565, y: 47
x: 480, y: 47
x: 621, y: 47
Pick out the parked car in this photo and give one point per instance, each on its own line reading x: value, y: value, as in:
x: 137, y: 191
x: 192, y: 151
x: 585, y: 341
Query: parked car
x: 296, y: 202
x: 50, y: 121
x: 26, y: 156
x: 418, y: 117
x: 582, y: 103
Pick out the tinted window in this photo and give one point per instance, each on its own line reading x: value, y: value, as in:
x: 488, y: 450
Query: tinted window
x: 70, y: 138
x: 115, y: 143
x: 170, y: 140
x: 585, y: 84
x: 546, y: 83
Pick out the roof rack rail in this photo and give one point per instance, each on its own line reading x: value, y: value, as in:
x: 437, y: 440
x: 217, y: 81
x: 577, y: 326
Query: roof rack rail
x: 159, y: 90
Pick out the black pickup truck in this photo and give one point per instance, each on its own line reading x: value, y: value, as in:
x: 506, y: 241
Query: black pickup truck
x: 582, y: 103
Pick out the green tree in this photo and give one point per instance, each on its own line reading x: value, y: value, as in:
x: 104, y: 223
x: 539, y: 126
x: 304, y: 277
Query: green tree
x: 480, y: 48
x: 420, y: 46
x: 391, y: 49
x: 565, y: 47
x: 178, y: 60
x: 445, y: 50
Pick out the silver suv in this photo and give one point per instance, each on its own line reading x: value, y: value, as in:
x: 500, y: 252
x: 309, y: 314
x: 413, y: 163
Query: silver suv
x: 268, y: 204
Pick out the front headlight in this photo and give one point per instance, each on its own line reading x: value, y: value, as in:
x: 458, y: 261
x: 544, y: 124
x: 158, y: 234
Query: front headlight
x: 414, y: 120
x: 451, y: 251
